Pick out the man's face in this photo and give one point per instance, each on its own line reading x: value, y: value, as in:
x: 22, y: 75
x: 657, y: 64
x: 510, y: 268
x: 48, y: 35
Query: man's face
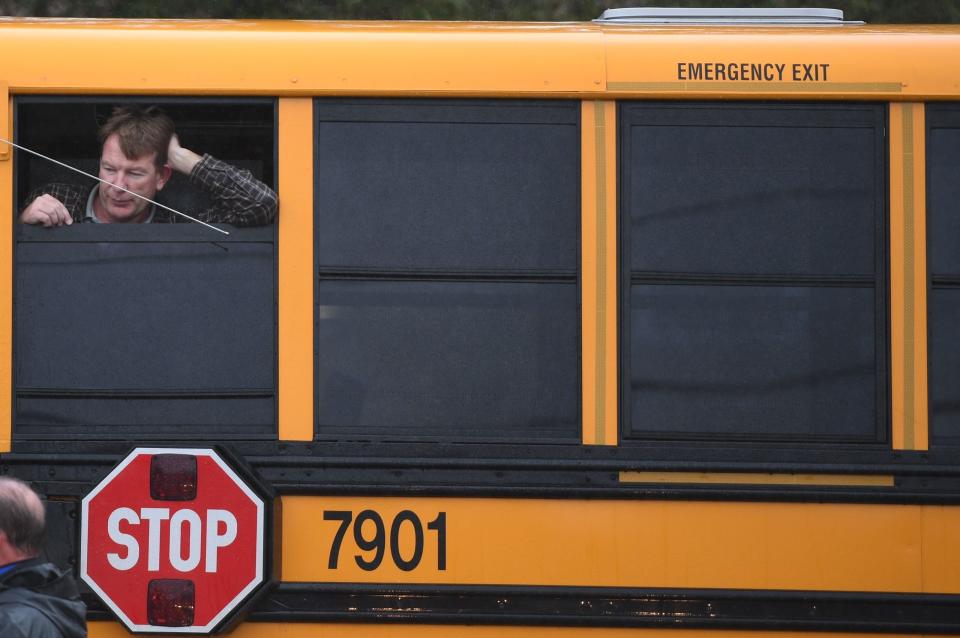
x: 140, y: 175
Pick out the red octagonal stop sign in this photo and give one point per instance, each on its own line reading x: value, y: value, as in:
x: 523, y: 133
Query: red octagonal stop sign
x: 172, y: 540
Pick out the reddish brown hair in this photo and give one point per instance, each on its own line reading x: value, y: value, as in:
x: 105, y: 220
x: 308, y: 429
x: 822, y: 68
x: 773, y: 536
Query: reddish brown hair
x: 141, y: 131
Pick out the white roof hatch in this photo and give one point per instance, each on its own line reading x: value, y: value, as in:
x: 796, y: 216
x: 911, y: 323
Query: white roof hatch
x: 693, y: 15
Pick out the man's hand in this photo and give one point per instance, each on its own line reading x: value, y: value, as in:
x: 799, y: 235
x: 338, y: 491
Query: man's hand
x: 181, y: 159
x: 46, y: 210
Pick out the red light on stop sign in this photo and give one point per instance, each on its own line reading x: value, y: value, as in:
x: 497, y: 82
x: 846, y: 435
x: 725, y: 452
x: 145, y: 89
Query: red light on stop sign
x: 170, y: 602
x: 173, y: 477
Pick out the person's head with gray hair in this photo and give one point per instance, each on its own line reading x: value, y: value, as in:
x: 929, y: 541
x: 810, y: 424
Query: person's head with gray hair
x: 22, y: 520
x: 37, y: 599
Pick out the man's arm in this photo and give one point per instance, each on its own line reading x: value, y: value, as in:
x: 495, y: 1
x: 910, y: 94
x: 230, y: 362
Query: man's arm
x: 239, y: 198
x: 46, y: 210
x: 53, y: 205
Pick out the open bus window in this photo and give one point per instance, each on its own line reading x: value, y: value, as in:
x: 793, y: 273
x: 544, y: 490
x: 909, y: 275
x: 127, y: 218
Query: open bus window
x: 447, y: 237
x: 943, y: 193
x: 753, y: 272
x: 240, y: 134
x: 147, y: 331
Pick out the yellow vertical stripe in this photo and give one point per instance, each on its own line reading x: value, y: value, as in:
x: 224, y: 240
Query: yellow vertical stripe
x: 908, y: 285
x: 296, y: 304
x: 609, y: 265
x: 588, y: 271
x: 909, y: 324
x: 599, y: 255
x: 5, y: 128
x: 897, y: 288
x: 921, y: 398
x: 6, y: 274
x: 600, y: 380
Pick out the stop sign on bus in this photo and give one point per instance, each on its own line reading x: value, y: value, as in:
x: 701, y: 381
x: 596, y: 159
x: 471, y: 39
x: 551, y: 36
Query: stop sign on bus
x: 173, y: 540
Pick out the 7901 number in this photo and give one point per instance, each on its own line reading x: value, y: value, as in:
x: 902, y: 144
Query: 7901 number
x: 374, y: 546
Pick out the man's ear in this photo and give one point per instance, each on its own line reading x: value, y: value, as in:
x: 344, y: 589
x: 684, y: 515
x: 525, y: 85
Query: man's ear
x: 163, y: 176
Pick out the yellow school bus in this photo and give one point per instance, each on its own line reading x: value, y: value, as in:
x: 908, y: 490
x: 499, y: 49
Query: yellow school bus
x: 639, y: 326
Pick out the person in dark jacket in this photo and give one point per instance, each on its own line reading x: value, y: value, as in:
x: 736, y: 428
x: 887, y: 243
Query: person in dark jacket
x: 37, y: 600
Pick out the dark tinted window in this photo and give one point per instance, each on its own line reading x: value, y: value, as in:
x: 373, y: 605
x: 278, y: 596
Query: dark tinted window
x: 944, y: 362
x: 753, y: 236
x: 447, y: 243
x: 752, y: 360
x: 148, y: 331
x: 461, y: 358
x: 943, y: 193
x: 718, y: 195
x: 458, y: 186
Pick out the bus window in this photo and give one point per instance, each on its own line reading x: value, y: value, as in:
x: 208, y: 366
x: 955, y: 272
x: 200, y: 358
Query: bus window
x: 943, y: 192
x: 753, y: 243
x: 144, y: 331
x: 447, y: 243
x: 239, y: 133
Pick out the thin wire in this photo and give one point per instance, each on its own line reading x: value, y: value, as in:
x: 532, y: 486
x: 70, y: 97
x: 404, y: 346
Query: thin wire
x: 59, y: 163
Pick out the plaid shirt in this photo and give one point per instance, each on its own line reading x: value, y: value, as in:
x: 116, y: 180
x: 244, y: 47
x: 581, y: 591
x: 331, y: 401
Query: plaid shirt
x: 238, y: 198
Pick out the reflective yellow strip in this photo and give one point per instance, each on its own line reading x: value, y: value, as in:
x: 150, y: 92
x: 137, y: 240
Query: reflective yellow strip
x: 744, y: 478
x: 759, y: 87
x: 908, y: 286
x: 296, y: 307
x: 6, y: 275
x: 599, y: 275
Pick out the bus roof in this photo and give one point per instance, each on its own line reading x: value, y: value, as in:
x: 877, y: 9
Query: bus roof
x: 460, y: 59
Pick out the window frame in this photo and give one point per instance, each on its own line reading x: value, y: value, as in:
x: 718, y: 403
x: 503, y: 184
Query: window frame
x: 937, y: 115
x: 180, y: 233
x: 439, y: 434
x: 687, y: 446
